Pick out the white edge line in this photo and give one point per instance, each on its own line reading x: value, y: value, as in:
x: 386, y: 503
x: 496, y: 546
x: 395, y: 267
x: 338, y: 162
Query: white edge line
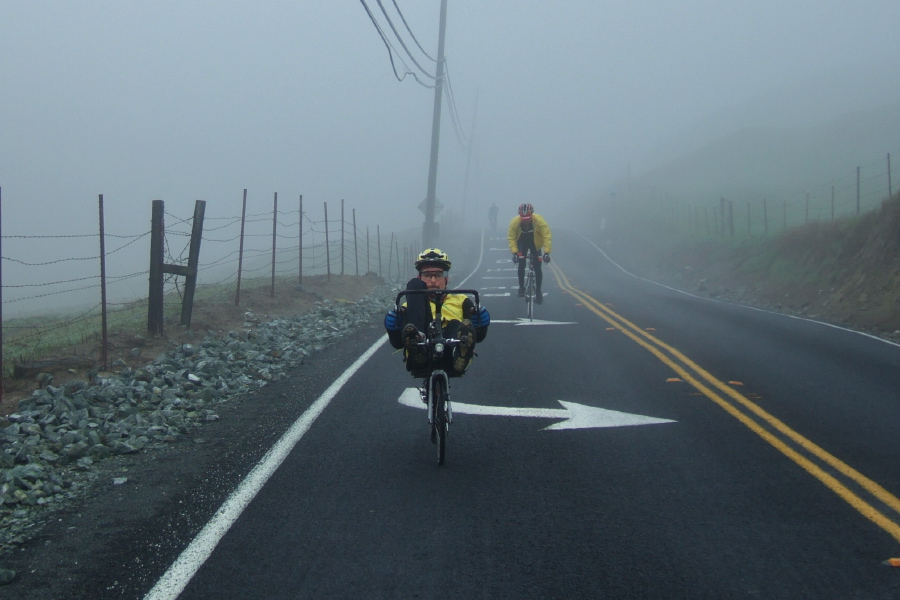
x: 173, y: 582
x: 762, y: 310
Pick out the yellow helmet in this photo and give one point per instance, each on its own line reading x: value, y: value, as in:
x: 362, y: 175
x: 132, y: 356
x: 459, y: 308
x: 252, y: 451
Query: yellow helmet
x: 433, y: 257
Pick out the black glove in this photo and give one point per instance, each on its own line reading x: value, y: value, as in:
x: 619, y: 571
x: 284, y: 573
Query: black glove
x: 515, y: 258
x: 546, y: 258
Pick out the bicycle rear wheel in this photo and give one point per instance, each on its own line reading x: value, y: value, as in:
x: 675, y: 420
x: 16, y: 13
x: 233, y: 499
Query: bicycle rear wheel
x: 441, y: 424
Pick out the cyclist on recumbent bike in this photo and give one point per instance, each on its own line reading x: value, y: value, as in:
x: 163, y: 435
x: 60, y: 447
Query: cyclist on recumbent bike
x: 459, y: 319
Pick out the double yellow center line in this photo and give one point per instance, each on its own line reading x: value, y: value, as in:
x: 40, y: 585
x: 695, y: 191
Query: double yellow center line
x: 787, y: 441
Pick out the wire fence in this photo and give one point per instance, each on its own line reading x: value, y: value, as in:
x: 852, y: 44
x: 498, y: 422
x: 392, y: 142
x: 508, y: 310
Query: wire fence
x: 851, y: 194
x: 76, y: 283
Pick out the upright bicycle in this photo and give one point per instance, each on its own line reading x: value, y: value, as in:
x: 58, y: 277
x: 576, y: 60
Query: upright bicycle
x: 435, y: 390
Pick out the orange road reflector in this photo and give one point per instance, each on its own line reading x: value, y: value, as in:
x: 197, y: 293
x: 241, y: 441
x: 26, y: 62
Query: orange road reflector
x: 672, y: 380
x: 611, y: 329
x: 735, y: 383
x: 893, y: 562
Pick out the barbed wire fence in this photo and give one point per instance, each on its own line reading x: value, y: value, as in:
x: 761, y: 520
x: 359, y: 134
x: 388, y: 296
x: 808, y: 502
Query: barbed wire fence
x: 850, y: 194
x: 274, y: 246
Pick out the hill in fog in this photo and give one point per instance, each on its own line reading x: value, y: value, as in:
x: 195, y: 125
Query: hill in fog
x: 784, y: 142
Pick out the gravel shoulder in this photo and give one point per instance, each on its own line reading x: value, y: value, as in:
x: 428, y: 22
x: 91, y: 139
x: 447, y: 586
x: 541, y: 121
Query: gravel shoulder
x: 117, y: 539
x: 92, y: 469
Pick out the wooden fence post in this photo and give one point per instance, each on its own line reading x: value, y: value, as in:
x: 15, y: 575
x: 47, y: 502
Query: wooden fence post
x: 190, y: 276
x: 327, y: 249
x: 300, y: 268
x: 398, y: 259
x: 104, y: 344
x: 355, y: 243
x: 1, y: 298
x: 155, y: 296
x: 390, y: 255
x: 155, y: 312
x: 237, y: 294
x: 274, y: 237
x: 890, y: 191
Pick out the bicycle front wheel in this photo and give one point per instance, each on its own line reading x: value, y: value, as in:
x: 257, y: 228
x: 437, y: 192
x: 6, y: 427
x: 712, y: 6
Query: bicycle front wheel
x: 529, y: 297
x: 441, y: 424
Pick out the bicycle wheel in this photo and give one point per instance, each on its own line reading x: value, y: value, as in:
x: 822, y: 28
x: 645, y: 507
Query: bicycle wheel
x: 529, y: 296
x: 441, y: 424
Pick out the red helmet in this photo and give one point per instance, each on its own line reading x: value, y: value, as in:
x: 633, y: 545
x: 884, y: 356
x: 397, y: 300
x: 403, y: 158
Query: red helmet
x: 525, y: 210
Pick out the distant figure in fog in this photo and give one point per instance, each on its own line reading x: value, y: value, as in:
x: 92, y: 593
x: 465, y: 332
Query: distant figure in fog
x: 492, y: 216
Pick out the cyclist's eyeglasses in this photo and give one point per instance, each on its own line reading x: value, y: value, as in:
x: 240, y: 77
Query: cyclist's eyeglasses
x: 431, y: 274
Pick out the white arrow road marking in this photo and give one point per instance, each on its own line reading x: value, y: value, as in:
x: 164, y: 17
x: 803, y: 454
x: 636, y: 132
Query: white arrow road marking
x: 506, y: 295
x: 577, y: 416
x: 525, y: 321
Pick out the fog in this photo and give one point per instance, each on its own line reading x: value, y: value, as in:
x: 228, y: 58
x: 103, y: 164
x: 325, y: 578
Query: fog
x: 199, y: 100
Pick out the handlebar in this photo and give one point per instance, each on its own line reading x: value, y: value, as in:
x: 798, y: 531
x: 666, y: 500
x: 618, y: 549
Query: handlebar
x: 434, y: 336
x: 439, y: 295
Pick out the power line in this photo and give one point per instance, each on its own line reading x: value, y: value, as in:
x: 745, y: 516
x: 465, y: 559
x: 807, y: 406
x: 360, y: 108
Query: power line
x: 400, y: 39
x: 451, y: 101
x: 391, y: 51
x: 454, y: 113
x: 412, y: 35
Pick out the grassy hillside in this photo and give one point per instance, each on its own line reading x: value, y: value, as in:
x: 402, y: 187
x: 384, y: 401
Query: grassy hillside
x: 846, y: 272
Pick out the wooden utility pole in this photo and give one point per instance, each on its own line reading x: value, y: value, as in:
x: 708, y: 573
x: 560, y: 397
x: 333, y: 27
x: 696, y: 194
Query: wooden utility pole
x: 430, y: 232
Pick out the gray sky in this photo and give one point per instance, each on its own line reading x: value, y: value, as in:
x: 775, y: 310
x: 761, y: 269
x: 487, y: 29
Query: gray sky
x: 199, y: 100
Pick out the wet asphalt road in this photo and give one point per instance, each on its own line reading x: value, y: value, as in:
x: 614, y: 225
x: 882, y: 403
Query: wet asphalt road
x: 742, y: 454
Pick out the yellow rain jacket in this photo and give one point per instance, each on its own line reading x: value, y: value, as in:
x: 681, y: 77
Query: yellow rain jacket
x: 542, y: 238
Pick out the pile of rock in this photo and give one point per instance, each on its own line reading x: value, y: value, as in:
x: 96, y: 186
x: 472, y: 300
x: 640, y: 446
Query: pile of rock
x: 49, y: 447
